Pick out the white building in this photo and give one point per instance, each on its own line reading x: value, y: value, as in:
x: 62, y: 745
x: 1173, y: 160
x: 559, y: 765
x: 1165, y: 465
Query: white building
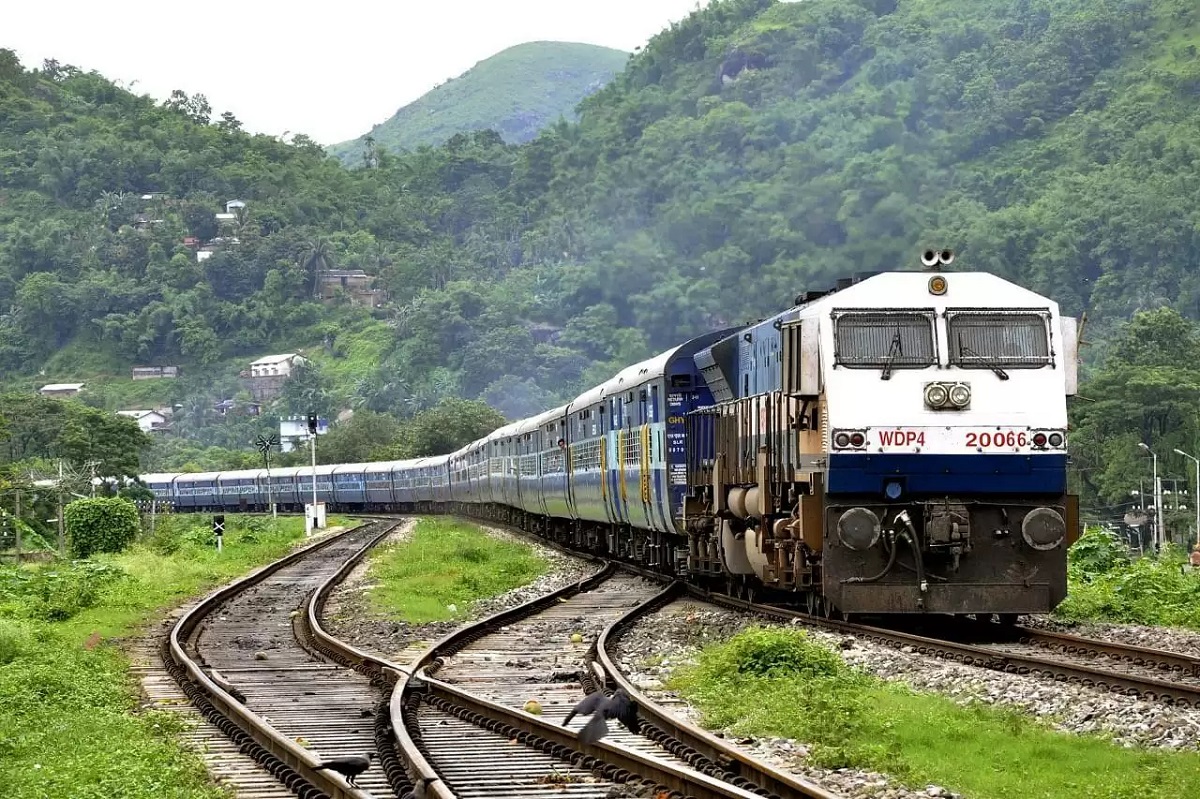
x: 293, y: 432
x: 147, y: 420
x: 60, y: 389
x: 275, y: 365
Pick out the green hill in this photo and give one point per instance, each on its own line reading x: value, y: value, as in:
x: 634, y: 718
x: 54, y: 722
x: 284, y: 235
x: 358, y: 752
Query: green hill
x: 750, y: 151
x: 516, y: 92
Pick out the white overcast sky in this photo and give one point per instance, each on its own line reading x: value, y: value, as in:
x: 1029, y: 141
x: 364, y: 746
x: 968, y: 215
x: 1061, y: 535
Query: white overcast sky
x: 330, y: 70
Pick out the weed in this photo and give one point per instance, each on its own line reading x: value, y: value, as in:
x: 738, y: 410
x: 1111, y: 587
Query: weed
x: 444, y: 563
x: 774, y: 683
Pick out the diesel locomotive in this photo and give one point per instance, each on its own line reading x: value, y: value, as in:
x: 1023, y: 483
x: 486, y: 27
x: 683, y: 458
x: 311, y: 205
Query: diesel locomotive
x: 896, y: 444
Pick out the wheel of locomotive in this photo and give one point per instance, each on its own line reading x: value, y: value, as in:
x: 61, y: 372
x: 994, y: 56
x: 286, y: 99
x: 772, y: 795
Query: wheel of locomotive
x: 1007, y: 619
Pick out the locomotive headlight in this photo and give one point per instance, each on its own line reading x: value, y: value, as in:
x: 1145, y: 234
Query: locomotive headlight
x: 858, y: 529
x: 936, y: 395
x: 960, y: 395
x: 1043, y: 528
x: 841, y: 440
x: 1056, y: 440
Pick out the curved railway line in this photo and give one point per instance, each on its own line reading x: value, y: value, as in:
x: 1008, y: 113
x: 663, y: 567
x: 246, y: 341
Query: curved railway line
x: 255, y: 660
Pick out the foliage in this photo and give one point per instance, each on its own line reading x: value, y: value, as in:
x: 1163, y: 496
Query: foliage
x: 37, y: 427
x: 753, y: 149
x: 1147, y: 390
x: 516, y: 93
x: 446, y: 562
x: 849, y: 719
x: 71, y: 725
x: 366, y: 436
x: 102, y: 524
x: 1106, y: 585
x: 447, y: 427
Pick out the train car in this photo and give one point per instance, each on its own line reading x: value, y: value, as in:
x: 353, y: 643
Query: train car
x: 895, y: 446
x: 162, y: 486
x: 239, y: 490
x: 349, y: 485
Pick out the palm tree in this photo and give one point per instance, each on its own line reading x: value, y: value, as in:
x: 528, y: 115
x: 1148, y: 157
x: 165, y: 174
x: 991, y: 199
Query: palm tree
x: 315, y: 258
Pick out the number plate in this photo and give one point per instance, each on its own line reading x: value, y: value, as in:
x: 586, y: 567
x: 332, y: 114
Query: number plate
x: 949, y: 440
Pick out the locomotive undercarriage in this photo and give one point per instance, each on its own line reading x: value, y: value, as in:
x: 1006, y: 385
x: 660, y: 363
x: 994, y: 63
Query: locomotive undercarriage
x: 830, y: 555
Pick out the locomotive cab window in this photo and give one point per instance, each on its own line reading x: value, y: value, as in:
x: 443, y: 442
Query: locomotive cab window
x: 987, y: 339
x: 883, y: 339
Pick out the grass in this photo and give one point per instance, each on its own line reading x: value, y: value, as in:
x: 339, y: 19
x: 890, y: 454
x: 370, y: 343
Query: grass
x: 1105, y: 584
x: 772, y: 682
x: 446, y: 563
x: 68, y: 729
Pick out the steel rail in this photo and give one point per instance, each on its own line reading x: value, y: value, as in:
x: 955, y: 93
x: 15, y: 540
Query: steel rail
x: 1132, y: 654
x: 1149, y: 688
x: 292, y: 764
x: 614, y: 760
x: 745, y: 770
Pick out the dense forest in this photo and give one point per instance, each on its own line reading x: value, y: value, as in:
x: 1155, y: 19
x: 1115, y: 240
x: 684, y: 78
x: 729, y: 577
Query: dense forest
x: 517, y: 92
x: 752, y: 150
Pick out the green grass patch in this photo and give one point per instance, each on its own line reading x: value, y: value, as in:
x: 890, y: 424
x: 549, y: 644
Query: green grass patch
x: 446, y: 562
x: 67, y: 726
x: 777, y: 682
x: 1105, y: 584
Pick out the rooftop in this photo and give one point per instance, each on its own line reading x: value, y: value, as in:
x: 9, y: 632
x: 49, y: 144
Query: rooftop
x: 62, y: 387
x: 269, y: 359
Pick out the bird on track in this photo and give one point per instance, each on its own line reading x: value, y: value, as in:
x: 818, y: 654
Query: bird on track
x: 418, y: 789
x: 601, y: 708
x: 349, y: 767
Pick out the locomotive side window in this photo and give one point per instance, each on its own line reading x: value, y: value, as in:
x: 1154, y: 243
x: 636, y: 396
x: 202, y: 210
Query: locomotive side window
x: 884, y: 339
x: 998, y: 338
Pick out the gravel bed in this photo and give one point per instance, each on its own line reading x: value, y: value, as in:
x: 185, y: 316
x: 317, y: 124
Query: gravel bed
x: 349, y: 616
x: 658, y: 644
x: 1173, y: 639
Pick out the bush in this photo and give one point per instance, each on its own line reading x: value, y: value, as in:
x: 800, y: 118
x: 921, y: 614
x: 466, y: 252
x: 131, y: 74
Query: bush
x: 14, y: 639
x: 103, y: 524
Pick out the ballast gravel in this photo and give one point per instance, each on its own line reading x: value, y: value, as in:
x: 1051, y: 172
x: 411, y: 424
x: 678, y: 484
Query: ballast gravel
x: 653, y: 648
x: 1185, y: 642
x: 349, y: 616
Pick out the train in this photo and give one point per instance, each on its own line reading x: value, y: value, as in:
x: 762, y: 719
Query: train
x: 893, y: 444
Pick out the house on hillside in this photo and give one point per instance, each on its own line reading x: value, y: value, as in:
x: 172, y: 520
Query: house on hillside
x: 357, y: 285
x: 148, y: 421
x: 60, y: 389
x: 232, y: 206
x: 266, y: 376
x: 293, y: 431
x: 155, y: 372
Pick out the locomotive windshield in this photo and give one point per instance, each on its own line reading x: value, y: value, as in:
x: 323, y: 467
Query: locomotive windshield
x: 990, y: 339
x: 884, y: 340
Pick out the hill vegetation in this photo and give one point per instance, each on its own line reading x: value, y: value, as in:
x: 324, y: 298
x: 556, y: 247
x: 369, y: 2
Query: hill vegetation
x: 517, y: 93
x: 750, y: 151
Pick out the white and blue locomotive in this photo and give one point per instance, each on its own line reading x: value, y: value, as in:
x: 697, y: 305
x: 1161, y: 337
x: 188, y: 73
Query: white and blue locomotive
x: 894, y: 445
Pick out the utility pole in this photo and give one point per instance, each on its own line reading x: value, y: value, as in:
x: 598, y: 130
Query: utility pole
x: 264, y: 445
x: 1158, y: 511
x: 17, y: 526
x: 1195, y: 497
x: 62, y: 530
x: 312, y: 440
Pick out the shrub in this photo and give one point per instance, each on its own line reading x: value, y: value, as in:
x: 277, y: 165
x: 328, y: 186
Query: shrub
x: 14, y: 639
x: 57, y: 593
x: 103, y: 524
x: 772, y: 652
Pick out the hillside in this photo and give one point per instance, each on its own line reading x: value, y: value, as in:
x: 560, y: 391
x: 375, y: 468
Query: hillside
x: 517, y: 92
x: 752, y: 150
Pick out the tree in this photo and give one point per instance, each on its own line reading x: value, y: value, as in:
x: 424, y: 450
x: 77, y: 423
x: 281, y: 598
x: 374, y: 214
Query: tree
x: 446, y: 427
x: 102, y: 524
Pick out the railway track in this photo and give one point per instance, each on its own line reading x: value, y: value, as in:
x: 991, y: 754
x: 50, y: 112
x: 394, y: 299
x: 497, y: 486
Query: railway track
x: 250, y: 656
x: 1151, y: 674
x: 462, y: 710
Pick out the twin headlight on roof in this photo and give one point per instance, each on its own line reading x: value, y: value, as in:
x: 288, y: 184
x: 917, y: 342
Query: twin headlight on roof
x: 945, y: 396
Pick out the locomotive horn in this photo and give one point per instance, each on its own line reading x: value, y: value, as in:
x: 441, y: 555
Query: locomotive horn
x: 946, y: 257
x: 929, y: 258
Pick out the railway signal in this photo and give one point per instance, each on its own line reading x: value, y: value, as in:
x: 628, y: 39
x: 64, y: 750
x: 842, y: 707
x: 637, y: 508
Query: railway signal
x: 264, y: 444
x: 219, y: 530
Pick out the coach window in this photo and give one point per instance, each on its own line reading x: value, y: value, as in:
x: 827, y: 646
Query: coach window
x: 884, y: 340
x: 992, y: 338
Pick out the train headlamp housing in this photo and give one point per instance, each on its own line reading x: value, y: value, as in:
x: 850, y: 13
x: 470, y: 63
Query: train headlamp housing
x: 943, y: 396
x: 849, y: 439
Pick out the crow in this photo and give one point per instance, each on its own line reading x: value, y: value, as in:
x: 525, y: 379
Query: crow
x: 350, y: 767
x: 418, y: 789
x: 601, y: 708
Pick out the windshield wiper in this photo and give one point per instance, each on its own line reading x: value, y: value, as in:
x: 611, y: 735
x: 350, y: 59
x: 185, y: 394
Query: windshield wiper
x: 963, y: 349
x: 896, y: 348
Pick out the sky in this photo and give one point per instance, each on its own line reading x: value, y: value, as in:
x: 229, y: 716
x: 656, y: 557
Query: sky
x: 284, y: 67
